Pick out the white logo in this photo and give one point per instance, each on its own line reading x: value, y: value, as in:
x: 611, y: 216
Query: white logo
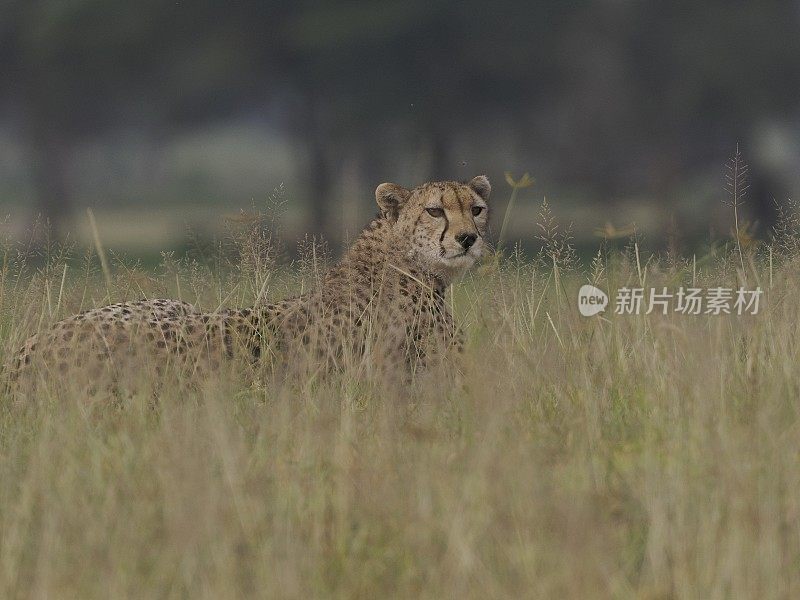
x: 686, y: 301
x: 591, y: 300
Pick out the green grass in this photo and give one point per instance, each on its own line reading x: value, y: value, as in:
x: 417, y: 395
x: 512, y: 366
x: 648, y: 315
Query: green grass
x: 625, y: 456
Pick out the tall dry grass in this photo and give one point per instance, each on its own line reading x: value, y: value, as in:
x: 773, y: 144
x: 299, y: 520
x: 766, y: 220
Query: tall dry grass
x: 618, y: 456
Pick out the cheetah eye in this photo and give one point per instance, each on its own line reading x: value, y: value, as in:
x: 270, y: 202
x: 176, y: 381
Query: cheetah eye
x: 476, y: 210
x: 435, y: 212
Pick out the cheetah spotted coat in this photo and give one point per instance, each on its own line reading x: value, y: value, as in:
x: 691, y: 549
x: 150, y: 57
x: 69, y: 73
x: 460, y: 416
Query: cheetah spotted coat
x: 383, y: 302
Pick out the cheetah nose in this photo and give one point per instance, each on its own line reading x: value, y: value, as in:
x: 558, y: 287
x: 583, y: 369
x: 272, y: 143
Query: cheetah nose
x: 466, y: 239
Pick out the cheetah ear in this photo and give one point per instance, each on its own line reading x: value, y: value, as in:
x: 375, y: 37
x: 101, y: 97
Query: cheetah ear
x: 481, y: 186
x: 390, y: 198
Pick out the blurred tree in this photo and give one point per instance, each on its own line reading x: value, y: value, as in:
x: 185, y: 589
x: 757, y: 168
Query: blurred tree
x: 611, y: 97
x: 78, y: 68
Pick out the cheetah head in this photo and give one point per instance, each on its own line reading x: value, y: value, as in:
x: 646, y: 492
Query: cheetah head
x: 440, y: 226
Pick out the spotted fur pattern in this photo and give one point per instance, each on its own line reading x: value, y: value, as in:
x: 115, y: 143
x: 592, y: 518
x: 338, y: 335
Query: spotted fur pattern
x: 383, y: 304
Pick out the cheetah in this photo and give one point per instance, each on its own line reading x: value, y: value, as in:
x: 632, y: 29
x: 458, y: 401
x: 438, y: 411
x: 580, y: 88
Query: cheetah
x: 384, y: 301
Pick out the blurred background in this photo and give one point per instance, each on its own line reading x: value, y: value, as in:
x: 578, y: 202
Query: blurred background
x: 169, y: 117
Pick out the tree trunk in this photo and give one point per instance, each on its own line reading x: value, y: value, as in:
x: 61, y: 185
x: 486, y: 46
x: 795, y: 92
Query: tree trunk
x: 314, y: 132
x: 321, y: 184
x: 48, y: 150
x: 440, y: 166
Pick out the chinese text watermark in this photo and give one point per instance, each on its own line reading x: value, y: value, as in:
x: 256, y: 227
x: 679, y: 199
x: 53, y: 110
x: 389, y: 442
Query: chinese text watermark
x: 686, y: 301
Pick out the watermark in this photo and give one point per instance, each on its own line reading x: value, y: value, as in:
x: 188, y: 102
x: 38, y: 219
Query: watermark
x: 591, y: 300
x: 686, y: 301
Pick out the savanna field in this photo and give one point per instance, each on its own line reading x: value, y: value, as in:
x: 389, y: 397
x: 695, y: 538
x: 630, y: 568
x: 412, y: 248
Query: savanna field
x: 614, y: 456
